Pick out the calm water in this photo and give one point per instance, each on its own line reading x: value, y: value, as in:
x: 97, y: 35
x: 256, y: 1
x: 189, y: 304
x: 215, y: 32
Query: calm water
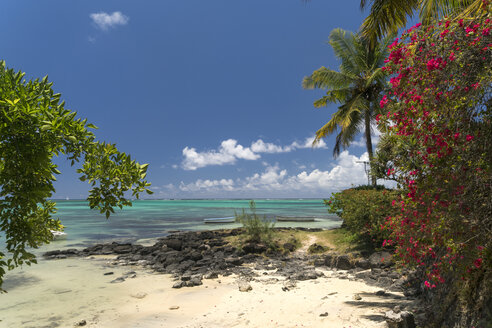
x: 154, y: 218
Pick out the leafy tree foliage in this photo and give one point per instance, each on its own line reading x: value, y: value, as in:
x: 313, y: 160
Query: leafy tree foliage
x: 35, y: 127
x: 357, y: 88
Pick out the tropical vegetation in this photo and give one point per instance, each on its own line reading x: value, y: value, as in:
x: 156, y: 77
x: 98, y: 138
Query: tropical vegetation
x: 363, y: 211
x: 357, y: 88
x: 257, y: 229
x: 438, y: 112
x: 35, y: 127
x: 387, y: 16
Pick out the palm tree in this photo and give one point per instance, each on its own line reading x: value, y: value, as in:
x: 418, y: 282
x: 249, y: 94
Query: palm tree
x: 387, y: 16
x: 357, y: 88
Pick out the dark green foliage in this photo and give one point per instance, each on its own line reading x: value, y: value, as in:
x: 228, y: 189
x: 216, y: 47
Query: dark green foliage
x: 35, y: 127
x: 364, y: 211
x: 371, y: 187
x: 257, y: 229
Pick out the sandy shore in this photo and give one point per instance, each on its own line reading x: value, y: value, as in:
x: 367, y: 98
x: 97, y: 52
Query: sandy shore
x: 63, y: 292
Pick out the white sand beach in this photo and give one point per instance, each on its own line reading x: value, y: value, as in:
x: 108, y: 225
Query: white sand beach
x: 62, y: 293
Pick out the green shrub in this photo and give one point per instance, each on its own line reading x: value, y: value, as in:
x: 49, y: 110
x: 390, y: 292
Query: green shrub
x: 257, y: 229
x: 364, y: 212
x: 371, y: 187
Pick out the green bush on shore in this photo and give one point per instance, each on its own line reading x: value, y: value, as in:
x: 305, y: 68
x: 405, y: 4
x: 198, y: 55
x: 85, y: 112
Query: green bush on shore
x: 257, y: 229
x: 364, y: 211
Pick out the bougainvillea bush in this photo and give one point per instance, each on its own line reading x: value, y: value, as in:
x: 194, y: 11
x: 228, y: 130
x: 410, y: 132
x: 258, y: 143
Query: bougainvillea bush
x: 438, y: 114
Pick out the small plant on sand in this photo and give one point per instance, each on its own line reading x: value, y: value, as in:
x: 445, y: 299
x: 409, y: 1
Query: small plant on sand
x: 257, y: 229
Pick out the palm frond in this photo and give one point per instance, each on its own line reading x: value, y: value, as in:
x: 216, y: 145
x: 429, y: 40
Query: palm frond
x: 377, y: 77
x: 433, y: 9
x: 333, y: 96
x: 381, y: 51
x: 324, y: 78
x: 343, y: 44
x: 473, y: 8
x: 347, y: 135
x: 343, y: 117
x: 387, y: 16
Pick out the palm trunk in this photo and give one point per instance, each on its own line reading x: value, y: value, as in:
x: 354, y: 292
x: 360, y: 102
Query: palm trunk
x: 369, y: 145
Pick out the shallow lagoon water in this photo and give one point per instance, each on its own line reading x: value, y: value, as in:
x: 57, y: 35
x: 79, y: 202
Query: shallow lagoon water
x: 155, y: 218
x: 58, y: 293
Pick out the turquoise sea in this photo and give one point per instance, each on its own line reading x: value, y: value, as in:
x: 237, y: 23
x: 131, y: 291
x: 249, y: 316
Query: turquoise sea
x: 148, y: 219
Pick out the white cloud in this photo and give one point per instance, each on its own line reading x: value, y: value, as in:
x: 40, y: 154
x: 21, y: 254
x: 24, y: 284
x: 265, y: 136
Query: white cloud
x: 275, y: 182
x: 105, y: 21
x: 209, y: 185
x: 259, y: 146
x: 308, y: 143
x: 230, y: 151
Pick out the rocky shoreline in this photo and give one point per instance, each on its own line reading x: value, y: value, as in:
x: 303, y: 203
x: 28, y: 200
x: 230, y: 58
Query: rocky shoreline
x: 191, y: 257
x: 205, y: 254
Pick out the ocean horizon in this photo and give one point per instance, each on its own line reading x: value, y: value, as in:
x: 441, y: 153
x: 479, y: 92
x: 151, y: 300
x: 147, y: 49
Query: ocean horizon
x: 153, y: 218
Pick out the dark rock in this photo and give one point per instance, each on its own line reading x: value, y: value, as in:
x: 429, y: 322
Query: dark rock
x: 185, y: 265
x: 234, y: 261
x: 304, y: 275
x: 400, y: 320
x: 122, y: 249
x: 211, y: 275
x: 324, y: 314
x: 108, y: 273
x: 117, y: 280
x: 175, y: 244
x: 195, y: 256
x: 319, y: 262
x: 171, y: 267
x: 380, y: 260
x: 394, y: 275
x: 362, y: 274
x: 376, y: 272
x: 179, y: 284
x: 385, y: 281
x: 411, y: 292
x: 380, y: 293
x: 80, y: 323
x: 401, y: 283
x: 329, y: 260
x: 289, y: 247
x: 254, y: 248
x: 363, y: 263
x: 195, y: 281
x: 185, y: 278
x: 343, y: 262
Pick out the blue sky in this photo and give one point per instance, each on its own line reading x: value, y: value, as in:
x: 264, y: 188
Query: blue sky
x: 207, y: 92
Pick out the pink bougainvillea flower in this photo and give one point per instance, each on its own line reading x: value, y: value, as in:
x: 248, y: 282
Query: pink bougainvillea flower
x: 478, y: 263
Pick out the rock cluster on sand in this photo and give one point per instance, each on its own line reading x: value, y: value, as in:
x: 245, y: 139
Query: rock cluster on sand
x: 193, y: 256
